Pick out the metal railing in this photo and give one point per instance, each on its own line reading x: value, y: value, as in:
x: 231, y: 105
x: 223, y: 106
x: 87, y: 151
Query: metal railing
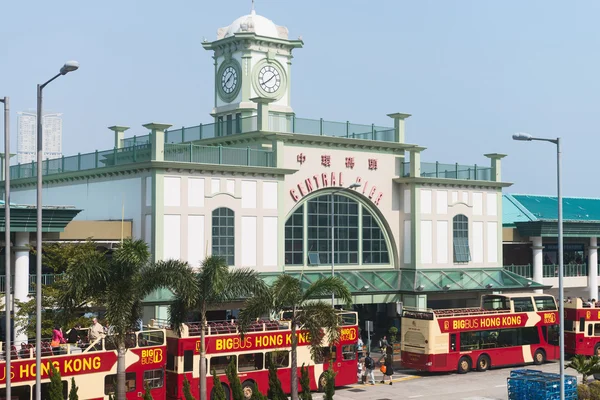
x: 451, y: 171
x: 525, y: 271
x: 81, y: 162
x: 47, y: 279
x: 570, y: 270
x: 218, y: 155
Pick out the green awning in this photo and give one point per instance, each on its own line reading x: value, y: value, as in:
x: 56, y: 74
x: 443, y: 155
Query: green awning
x: 24, y: 218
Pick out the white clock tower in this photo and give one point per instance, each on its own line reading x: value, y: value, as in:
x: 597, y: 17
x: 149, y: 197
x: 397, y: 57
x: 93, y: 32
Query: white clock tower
x: 253, y: 59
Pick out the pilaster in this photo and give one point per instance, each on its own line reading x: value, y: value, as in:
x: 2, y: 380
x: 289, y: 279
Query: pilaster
x: 157, y: 140
x: 593, y: 268
x: 495, y: 165
x: 119, y: 135
x: 21, y: 282
x: 538, y: 260
x: 399, y: 118
x: 263, y: 112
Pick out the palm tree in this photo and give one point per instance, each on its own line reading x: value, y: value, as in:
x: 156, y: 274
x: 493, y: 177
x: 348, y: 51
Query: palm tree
x: 217, y: 285
x: 120, y: 283
x: 305, y: 312
x: 586, y: 366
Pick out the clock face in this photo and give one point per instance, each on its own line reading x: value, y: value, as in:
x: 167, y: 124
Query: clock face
x: 229, y: 80
x: 269, y: 79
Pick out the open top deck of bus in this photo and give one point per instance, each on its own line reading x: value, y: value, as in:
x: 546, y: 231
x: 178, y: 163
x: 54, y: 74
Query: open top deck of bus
x: 580, y: 303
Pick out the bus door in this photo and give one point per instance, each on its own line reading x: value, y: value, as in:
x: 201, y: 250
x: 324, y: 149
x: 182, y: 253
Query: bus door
x: 453, y: 345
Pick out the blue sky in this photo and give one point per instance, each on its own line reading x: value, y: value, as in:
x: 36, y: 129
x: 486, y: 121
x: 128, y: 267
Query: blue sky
x: 470, y: 72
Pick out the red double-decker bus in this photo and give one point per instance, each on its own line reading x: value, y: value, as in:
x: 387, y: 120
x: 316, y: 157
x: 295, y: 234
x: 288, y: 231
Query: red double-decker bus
x: 94, y: 367
x: 582, y: 328
x: 266, y: 341
x: 507, y: 329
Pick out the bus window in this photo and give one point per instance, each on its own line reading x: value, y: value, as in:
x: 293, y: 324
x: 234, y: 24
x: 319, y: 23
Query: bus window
x: 470, y: 341
x: 582, y: 325
x: 281, y: 359
x: 453, y: 342
x: 188, y: 360
x: 523, y: 304
x: 111, y: 344
x: 596, y: 329
x: 545, y: 303
x: 494, y: 302
x: 110, y: 383
x: 17, y: 392
x: 507, y: 338
x: 153, y: 338
x: 553, y: 335
x: 569, y: 325
x: 326, y: 355
x: 46, y: 390
x: 171, y: 362
x: 590, y: 327
x: 348, y: 319
x: 348, y: 352
x: 250, y: 362
x: 414, y: 339
x: 529, y: 336
x: 219, y: 363
x: 154, y: 378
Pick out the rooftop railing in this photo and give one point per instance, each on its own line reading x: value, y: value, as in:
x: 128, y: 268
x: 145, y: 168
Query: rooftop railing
x: 218, y: 155
x: 549, y: 270
x: 451, y: 171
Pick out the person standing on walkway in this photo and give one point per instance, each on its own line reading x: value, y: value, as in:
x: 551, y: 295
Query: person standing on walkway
x: 388, y: 359
x: 369, y: 367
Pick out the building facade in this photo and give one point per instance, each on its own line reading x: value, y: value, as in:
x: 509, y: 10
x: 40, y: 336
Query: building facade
x: 271, y: 191
x: 27, y: 136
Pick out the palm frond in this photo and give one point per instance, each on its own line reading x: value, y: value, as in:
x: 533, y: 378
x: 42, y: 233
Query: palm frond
x: 128, y: 258
x: 177, y: 276
x: 178, y: 310
x: 324, y: 287
x: 259, y: 305
x: 287, y: 291
x: 318, y: 318
x: 243, y: 282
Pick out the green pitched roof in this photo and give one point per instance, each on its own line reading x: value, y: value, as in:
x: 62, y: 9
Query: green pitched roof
x: 528, y: 208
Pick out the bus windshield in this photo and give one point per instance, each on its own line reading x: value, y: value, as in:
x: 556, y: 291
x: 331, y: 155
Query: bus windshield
x: 494, y: 302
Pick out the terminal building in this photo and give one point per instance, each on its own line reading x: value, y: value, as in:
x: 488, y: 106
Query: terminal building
x: 262, y: 187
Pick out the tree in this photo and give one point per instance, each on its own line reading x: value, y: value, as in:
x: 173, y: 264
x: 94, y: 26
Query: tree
x: 304, y: 312
x: 586, y: 366
x: 393, y: 331
x: 73, y: 392
x: 147, y: 394
x: 187, y: 391
x: 256, y: 394
x: 329, y: 383
x: 120, y: 283
x: 275, y: 391
x: 55, y: 391
x: 217, y: 284
x: 218, y: 391
x: 234, y: 381
x: 305, y: 383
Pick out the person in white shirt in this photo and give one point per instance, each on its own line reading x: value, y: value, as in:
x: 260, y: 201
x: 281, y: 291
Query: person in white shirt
x: 96, y: 330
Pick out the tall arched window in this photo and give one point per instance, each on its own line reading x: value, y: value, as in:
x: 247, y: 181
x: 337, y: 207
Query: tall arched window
x: 223, y: 234
x: 358, y: 236
x: 460, y: 229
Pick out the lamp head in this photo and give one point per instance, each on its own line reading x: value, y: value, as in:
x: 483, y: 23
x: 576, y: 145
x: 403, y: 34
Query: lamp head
x: 69, y: 66
x: 354, y: 185
x: 522, y: 136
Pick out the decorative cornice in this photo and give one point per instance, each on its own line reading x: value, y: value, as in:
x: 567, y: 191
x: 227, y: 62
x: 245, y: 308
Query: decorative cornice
x: 452, y: 182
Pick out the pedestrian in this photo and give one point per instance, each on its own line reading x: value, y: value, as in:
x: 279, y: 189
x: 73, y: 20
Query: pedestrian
x: 387, y: 358
x: 96, y: 331
x: 73, y: 334
x: 369, y: 367
x: 57, y: 340
x: 359, y: 372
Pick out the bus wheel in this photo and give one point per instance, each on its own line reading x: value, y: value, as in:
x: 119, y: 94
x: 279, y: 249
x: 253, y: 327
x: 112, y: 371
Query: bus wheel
x: 247, y: 389
x: 225, y: 389
x: 464, y: 365
x: 483, y: 363
x: 322, y: 382
x: 539, y: 357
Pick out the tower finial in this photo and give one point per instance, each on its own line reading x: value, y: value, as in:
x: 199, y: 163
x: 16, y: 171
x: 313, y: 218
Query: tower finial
x: 252, y: 5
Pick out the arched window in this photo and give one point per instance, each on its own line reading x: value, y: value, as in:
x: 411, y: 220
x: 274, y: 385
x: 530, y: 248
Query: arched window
x: 308, y: 234
x: 460, y: 229
x: 223, y: 234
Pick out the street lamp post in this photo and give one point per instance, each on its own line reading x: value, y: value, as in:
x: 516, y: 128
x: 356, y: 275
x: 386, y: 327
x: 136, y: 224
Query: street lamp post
x: 7, y: 338
x: 561, y: 311
x: 68, y: 67
x: 352, y: 186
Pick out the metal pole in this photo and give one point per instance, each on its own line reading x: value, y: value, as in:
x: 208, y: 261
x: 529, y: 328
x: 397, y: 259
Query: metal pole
x: 332, y: 248
x: 561, y: 311
x: 38, y: 245
x: 7, y: 330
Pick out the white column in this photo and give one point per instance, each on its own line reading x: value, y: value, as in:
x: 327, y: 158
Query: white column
x: 21, y: 279
x: 538, y: 260
x: 593, y: 268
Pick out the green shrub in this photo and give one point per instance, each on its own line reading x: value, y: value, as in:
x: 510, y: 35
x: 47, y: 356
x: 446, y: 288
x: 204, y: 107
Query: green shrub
x: 393, y: 332
x: 234, y: 381
x: 147, y: 395
x: 583, y: 392
x: 73, y: 392
x: 256, y: 394
x: 55, y: 390
x: 218, y: 391
x: 275, y: 391
x: 594, y: 389
x: 330, y: 383
x: 305, y: 384
x: 187, y: 390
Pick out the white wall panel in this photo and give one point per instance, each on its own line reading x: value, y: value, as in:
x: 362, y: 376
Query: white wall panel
x: 172, y: 191
x: 407, y: 242
x: 492, y: 204
x: 465, y: 197
x: 248, y: 241
x: 269, y: 240
x: 195, y: 192
x: 407, y: 201
x: 477, y: 203
x: 269, y: 194
x: 425, y: 201
x: 441, y: 202
x: 454, y: 197
x: 477, y: 242
x: 426, y: 242
x: 215, y: 186
x: 195, y: 238
x: 492, y: 242
x: 230, y: 186
x: 148, y: 191
x: 441, y: 241
x: 248, y: 194
x: 172, y: 237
